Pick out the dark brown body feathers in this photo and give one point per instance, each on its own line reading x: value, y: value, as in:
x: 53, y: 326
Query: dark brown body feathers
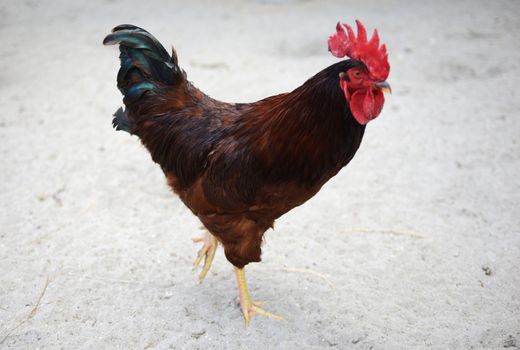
x: 238, y: 167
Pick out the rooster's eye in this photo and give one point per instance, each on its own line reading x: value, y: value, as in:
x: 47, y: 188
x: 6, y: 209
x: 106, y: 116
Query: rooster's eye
x: 356, y: 74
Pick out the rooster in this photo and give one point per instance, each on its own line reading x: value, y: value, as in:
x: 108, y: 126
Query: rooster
x: 240, y: 166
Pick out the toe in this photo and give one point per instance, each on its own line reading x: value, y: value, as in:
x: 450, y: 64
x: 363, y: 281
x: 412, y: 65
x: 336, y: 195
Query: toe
x: 260, y: 311
x: 202, y: 253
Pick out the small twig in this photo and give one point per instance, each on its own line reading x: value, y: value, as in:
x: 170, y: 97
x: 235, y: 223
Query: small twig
x: 12, y: 330
x: 35, y: 308
x: 114, y: 280
x: 103, y: 279
x: 117, y: 280
x: 31, y: 314
x: 385, y: 231
x: 310, y: 272
x: 306, y: 271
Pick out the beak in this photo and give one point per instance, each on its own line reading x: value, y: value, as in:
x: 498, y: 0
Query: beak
x: 383, y: 86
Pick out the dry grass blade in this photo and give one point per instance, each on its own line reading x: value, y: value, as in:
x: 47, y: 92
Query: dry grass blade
x: 386, y: 231
x: 35, y: 308
x: 303, y: 271
x: 31, y: 314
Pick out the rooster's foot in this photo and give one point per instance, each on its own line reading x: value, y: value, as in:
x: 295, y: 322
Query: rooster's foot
x: 249, y: 307
x: 207, y: 252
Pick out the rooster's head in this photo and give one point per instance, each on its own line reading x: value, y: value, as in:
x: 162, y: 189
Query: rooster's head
x: 365, y: 82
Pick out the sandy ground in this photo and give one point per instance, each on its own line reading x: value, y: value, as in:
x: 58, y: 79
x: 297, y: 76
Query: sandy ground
x: 415, y: 244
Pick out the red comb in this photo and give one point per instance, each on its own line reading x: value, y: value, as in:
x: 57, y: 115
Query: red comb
x: 369, y: 52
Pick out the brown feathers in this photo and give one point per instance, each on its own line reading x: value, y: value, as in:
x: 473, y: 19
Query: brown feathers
x: 239, y: 167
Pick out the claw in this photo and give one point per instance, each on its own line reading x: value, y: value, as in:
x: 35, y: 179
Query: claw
x: 207, y: 252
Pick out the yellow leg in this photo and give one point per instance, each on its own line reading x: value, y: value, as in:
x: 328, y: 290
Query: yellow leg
x: 249, y: 307
x: 207, y: 252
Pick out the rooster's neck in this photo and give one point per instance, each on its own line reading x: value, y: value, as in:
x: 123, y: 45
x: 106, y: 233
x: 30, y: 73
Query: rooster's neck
x: 308, y: 133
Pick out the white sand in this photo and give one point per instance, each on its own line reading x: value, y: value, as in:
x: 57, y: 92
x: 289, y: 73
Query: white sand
x: 389, y: 255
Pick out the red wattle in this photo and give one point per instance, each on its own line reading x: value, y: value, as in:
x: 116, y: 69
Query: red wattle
x: 366, y: 105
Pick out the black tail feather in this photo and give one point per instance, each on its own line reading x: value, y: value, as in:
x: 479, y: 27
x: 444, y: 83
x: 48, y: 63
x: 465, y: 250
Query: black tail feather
x: 121, y: 121
x: 145, y: 67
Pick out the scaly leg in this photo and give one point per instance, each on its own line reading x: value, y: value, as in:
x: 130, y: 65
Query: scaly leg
x: 207, y: 252
x: 249, y: 307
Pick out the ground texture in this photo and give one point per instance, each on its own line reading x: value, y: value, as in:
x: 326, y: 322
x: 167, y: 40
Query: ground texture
x: 415, y: 244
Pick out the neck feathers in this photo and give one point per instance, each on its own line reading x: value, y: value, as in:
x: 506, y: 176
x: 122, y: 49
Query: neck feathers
x: 308, y: 134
